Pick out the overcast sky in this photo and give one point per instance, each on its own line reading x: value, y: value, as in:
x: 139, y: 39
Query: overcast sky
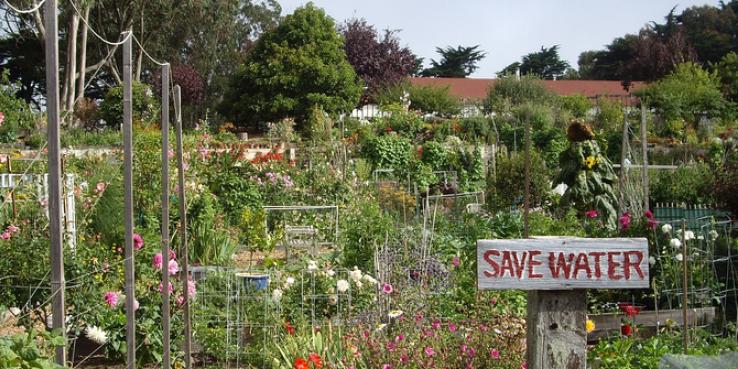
x: 505, y: 30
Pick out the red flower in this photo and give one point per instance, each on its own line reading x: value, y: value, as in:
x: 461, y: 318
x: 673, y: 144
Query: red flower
x: 591, y: 213
x: 388, y: 129
x: 648, y: 214
x: 315, y: 359
x: 629, y: 310
x: 626, y: 330
x: 300, y: 363
x: 289, y: 328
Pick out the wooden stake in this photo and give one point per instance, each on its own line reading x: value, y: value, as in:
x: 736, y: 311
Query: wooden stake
x: 644, y: 148
x: 183, y: 227
x: 12, y: 191
x: 165, y: 215
x: 54, y: 200
x: 526, y: 227
x: 130, y: 268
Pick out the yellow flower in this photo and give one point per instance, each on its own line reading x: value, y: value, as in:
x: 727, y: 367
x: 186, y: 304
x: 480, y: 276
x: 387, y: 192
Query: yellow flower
x: 590, y: 162
x: 589, y: 326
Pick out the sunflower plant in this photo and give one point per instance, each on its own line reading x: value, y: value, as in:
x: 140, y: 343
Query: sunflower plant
x: 588, y: 175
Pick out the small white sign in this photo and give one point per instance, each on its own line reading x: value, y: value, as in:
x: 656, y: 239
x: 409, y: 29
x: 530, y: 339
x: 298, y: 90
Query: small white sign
x: 562, y: 263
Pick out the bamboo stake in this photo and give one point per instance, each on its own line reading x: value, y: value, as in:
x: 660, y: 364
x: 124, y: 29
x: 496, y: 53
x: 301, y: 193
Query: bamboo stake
x: 130, y: 268
x: 165, y: 214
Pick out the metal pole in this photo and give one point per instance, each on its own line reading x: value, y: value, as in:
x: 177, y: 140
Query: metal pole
x: 526, y: 228
x: 644, y: 148
x: 54, y: 200
x: 183, y: 227
x: 12, y: 190
x: 128, y: 199
x: 685, y: 288
x: 165, y: 214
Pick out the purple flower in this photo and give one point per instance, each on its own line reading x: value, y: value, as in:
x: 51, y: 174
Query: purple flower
x: 429, y: 351
x: 455, y: 261
x: 494, y: 353
x: 157, y: 261
x: 387, y: 288
x: 452, y: 327
x: 436, y: 324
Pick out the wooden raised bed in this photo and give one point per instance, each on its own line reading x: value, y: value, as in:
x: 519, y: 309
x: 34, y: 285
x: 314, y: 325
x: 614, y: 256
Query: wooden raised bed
x: 608, y: 325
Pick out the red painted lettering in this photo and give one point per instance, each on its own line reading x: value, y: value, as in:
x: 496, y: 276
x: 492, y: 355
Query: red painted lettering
x: 557, y: 264
x: 627, y: 263
x: 532, y: 263
x: 612, y: 265
x: 507, y: 264
x: 492, y: 263
x: 519, y: 265
x: 596, y: 255
x: 582, y: 264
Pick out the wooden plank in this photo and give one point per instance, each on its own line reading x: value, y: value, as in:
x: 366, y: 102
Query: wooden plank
x: 562, y: 263
x: 609, y: 324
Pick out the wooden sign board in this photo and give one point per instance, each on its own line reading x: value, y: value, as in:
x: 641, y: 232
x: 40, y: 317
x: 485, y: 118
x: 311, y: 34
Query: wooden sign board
x: 562, y: 263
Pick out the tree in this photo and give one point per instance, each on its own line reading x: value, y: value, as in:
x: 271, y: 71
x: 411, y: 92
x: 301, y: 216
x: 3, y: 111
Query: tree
x: 379, y: 62
x: 611, y: 63
x: 546, y: 63
x: 727, y: 70
x: 511, y: 69
x: 684, y: 96
x: 297, y: 66
x: 456, y: 62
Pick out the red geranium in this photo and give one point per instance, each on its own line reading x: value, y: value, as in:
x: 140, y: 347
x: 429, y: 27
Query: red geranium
x: 300, y: 363
x: 289, y: 328
x: 315, y: 358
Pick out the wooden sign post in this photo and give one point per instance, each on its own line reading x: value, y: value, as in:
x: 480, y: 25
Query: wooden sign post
x: 558, y: 271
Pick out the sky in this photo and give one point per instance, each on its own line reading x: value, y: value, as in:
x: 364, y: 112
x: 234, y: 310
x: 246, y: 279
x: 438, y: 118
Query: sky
x: 505, y: 30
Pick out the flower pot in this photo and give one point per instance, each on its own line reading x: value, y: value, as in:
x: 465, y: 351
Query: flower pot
x: 254, y: 281
x: 200, y: 272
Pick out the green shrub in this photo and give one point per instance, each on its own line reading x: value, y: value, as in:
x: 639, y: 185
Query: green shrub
x: 144, y: 105
x: 17, y: 117
x: 389, y: 151
x: 506, y: 187
x: 688, y: 184
x: 578, y: 105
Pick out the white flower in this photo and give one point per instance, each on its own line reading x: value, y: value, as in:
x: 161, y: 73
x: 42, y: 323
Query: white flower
x: 332, y: 299
x: 312, y: 266
x: 651, y: 260
x: 679, y: 257
x: 370, y: 279
x: 666, y: 228
x: 380, y: 327
x: 288, y: 283
x: 688, y: 235
x: 276, y: 295
x: 342, y: 286
x: 675, y: 243
x: 393, y: 314
x: 355, y: 274
x: 358, y: 284
x: 713, y: 235
x: 330, y: 272
x: 96, y: 334
x: 700, y: 237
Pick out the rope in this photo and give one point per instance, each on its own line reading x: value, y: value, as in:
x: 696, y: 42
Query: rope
x: 147, y: 54
x: 35, y: 8
x: 92, y: 30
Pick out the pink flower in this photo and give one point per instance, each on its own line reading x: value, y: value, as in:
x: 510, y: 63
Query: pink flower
x: 436, y: 324
x: 399, y: 338
x: 524, y: 366
x: 452, y: 327
x: 161, y: 287
x: 157, y: 261
x: 173, y: 267
x: 591, y: 213
x: 2, y: 117
x: 652, y: 223
x: 138, y: 242
x: 455, y: 261
x: 100, y: 187
x: 180, y: 300
x: 191, y: 289
x: 625, y: 220
x: 648, y: 214
x: 386, y: 366
x: 494, y: 353
x: 404, y: 358
x: 205, y: 136
x: 5, y: 235
x: 136, y: 305
x: 111, y: 298
x: 429, y: 351
x: 12, y: 229
x: 3, y: 158
x: 387, y: 288
x: 172, y: 254
x: 170, y: 153
x: 391, y: 346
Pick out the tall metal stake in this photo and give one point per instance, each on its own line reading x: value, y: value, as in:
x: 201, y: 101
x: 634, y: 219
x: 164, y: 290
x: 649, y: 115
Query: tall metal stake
x: 685, y: 287
x: 54, y: 200
x: 165, y: 214
x: 128, y: 199
x: 183, y: 227
x: 644, y: 148
x: 526, y: 228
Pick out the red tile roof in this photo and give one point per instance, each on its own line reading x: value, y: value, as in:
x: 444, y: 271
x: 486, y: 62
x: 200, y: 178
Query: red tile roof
x: 476, y: 88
